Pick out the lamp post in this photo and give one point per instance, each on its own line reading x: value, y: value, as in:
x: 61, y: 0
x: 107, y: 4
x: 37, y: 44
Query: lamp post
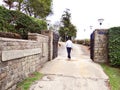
x: 100, y: 21
x: 48, y: 24
x: 91, y: 27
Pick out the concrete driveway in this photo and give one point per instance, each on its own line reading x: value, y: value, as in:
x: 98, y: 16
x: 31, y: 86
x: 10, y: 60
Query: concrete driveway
x: 80, y: 73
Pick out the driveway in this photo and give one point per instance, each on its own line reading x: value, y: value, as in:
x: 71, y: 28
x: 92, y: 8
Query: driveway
x: 80, y: 73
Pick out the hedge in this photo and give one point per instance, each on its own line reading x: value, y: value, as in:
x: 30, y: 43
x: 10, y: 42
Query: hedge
x: 114, y: 46
x: 17, y: 22
x: 86, y: 42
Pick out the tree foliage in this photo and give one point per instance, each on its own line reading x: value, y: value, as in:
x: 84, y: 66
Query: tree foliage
x: 15, y: 21
x: 41, y: 8
x: 9, y: 3
x: 36, y: 8
x: 67, y: 29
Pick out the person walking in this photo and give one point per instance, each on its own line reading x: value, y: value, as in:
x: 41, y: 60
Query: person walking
x: 69, y: 45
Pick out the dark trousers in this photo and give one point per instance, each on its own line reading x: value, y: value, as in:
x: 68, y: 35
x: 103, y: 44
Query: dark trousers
x: 69, y: 51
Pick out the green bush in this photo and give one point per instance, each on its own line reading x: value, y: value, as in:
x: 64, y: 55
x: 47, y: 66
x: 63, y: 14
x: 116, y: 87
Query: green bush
x: 84, y: 42
x: 114, y: 46
x: 17, y: 22
x: 5, y: 18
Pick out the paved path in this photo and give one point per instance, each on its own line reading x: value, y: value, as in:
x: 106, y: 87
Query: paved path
x: 80, y: 73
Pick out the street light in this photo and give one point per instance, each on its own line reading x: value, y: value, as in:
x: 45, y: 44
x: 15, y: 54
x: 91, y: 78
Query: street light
x: 100, y: 21
x: 91, y: 27
x: 48, y: 24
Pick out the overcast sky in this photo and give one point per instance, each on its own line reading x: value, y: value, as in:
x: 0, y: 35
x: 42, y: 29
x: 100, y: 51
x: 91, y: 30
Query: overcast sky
x: 85, y: 13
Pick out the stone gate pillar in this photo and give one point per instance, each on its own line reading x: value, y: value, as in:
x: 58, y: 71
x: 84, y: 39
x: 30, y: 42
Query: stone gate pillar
x: 50, y: 35
x: 100, y: 45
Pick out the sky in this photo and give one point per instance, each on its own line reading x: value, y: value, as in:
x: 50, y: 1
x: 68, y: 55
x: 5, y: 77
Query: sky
x: 85, y: 13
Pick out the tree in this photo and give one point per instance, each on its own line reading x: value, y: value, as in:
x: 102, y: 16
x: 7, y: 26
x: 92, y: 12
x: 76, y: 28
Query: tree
x: 9, y: 3
x: 67, y: 29
x: 36, y: 8
x: 41, y: 8
x: 20, y: 4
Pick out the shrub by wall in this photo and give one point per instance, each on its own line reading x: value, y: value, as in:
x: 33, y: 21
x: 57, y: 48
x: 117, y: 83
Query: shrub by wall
x: 17, y: 22
x: 85, y: 42
x: 114, y: 46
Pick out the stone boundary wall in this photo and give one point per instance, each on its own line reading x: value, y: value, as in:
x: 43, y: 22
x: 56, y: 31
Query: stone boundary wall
x: 19, y: 58
x: 100, y: 46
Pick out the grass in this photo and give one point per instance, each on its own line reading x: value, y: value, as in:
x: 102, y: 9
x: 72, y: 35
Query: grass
x: 25, y: 85
x: 114, y: 76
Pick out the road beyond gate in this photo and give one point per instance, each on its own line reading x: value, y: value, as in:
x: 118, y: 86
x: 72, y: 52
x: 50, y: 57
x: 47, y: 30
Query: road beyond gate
x: 80, y: 73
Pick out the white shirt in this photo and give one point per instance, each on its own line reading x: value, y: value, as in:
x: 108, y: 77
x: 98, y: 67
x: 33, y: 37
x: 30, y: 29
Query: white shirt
x: 69, y: 43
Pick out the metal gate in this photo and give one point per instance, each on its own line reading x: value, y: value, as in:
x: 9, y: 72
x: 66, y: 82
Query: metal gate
x: 55, y: 44
x: 92, y: 45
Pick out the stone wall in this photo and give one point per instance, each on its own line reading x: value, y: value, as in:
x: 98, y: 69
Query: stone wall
x: 100, y: 45
x: 19, y: 58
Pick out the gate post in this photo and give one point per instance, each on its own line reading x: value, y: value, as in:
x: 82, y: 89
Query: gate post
x: 50, y: 48
x: 100, y: 46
